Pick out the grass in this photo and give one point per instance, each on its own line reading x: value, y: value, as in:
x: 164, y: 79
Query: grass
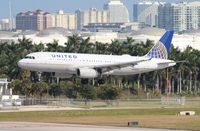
x: 150, y: 118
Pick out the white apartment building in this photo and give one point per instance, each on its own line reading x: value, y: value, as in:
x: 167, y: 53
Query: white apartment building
x: 64, y: 20
x: 117, y: 12
x: 4, y: 24
x: 90, y: 16
x: 146, y: 12
x: 180, y: 17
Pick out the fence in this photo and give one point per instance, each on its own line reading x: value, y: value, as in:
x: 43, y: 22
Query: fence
x: 133, y: 103
x: 173, y: 100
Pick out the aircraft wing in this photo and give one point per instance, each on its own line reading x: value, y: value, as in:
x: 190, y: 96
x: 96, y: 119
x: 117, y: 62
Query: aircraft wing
x: 110, y: 67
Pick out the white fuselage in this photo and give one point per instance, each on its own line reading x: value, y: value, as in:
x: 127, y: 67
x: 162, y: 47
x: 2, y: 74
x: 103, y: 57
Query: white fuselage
x: 68, y: 63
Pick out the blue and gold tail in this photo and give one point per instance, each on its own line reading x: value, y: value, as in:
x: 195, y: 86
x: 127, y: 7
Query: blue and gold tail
x: 162, y: 48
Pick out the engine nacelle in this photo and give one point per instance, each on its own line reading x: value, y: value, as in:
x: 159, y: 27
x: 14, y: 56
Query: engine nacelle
x: 63, y: 75
x: 87, y: 73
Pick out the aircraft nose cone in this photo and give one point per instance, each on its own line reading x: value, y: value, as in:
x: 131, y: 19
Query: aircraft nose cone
x: 20, y: 63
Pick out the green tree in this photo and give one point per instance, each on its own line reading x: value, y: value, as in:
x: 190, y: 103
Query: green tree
x: 54, y: 47
x: 25, y: 74
x: 55, y: 90
x: 40, y: 88
x: 69, y: 89
x: 108, y: 92
x: 87, y: 92
x: 26, y: 88
x: 38, y: 48
x: 73, y: 44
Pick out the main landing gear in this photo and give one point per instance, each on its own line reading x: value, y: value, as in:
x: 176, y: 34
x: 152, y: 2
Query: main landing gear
x: 99, y: 81
x: 84, y: 81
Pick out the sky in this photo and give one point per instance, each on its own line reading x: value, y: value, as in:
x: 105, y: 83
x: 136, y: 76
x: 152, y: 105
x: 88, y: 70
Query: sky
x: 55, y: 5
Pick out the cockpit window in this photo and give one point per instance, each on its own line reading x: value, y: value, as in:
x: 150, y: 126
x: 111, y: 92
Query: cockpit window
x: 29, y: 57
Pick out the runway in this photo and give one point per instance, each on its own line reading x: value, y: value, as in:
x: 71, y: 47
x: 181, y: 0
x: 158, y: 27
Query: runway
x: 23, y: 126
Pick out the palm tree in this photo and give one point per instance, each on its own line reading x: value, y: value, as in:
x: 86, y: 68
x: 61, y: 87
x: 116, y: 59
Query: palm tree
x: 85, y: 46
x: 195, y: 73
x: 138, y: 84
x: 115, y: 48
x: 144, y: 82
x: 54, y: 47
x: 172, y: 74
x: 130, y: 40
x: 38, y: 48
x: 26, y: 46
x: 101, y: 48
x: 73, y: 43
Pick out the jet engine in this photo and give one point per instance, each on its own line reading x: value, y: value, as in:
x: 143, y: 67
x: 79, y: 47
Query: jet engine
x: 87, y: 73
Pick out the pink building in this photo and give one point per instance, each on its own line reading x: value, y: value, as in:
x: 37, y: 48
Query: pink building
x: 37, y: 20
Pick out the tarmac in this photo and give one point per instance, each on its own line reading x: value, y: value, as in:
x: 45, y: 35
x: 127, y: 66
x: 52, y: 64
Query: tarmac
x: 23, y: 126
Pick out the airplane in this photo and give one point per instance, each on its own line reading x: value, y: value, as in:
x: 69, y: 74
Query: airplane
x: 89, y: 66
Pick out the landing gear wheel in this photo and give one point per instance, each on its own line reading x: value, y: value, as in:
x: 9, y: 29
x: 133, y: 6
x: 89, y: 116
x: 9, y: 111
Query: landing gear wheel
x: 101, y: 81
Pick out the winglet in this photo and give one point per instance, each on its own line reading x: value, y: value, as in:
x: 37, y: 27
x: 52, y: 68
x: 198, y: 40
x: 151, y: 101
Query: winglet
x: 162, y: 48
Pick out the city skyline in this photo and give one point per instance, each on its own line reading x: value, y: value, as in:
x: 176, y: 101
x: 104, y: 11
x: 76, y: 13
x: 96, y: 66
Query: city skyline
x: 67, y: 6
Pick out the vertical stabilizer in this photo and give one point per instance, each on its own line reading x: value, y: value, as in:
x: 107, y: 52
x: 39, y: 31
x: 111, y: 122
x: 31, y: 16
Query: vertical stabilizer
x: 162, y: 48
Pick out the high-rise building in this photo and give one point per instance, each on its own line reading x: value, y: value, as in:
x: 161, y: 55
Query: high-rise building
x: 65, y: 20
x: 165, y: 16
x: 72, y: 21
x: 117, y: 12
x: 180, y: 17
x: 61, y: 19
x: 146, y: 12
x: 4, y: 24
x: 37, y: 20
x: 90, y: 16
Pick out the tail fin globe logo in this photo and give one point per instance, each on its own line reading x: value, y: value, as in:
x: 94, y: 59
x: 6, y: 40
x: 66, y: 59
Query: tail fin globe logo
x: 162, y: 48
